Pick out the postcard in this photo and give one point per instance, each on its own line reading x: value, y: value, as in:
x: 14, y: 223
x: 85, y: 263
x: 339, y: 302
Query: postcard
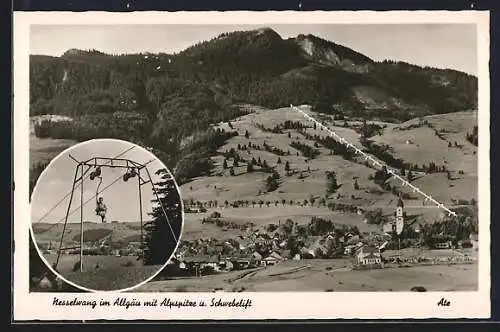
x: 251, y: 165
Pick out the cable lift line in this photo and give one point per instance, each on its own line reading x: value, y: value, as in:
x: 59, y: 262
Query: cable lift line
x: 69, y: 192
x: 98, y: 192
x: 132, y: 170
x: 373, y: 160
x: 91, y: 198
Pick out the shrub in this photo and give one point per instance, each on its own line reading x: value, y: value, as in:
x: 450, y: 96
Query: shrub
x: 180, y: 288
x: 127, y: 264
x: 215, y: 214
x: 418, y: 289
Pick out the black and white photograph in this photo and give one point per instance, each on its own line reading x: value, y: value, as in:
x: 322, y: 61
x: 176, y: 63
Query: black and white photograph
x: 118, y: 222
x: 322, y: 157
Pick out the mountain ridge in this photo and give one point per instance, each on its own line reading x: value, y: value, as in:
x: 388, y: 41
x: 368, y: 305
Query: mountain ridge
x: 160, y: 99
x: 265, y: 31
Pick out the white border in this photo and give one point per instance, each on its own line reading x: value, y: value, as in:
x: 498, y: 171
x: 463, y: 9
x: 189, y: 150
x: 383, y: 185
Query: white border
x: 137, y: 147
x: 289, y: 305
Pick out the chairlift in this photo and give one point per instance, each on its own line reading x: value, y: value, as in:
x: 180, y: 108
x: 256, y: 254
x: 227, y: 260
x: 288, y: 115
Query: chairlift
x: 96, y: 173
x: 129, y: 174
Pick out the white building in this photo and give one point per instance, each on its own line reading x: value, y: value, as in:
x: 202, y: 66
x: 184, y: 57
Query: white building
x: 368, y: 255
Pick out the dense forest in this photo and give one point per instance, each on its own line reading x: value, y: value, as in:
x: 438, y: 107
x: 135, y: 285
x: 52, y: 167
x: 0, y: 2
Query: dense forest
x: 160, y: 100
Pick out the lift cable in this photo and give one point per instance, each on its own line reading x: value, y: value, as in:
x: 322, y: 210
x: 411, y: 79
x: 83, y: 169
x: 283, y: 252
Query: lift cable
x: 79, y: 183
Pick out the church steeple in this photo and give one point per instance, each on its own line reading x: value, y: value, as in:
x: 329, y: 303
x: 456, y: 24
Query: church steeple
x: 400, y: 202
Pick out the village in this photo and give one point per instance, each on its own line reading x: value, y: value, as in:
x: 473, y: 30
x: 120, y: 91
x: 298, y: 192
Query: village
x: 269, y: 245
x: 103, y: 247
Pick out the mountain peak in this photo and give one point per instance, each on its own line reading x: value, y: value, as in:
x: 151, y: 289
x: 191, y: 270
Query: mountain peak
x: 329, y: 52
x: 265, y: 30
x: 80, y: 52
x: 266, y: 33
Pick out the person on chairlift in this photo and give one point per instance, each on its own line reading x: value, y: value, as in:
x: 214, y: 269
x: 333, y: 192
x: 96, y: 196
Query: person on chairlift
x: 101, y: 209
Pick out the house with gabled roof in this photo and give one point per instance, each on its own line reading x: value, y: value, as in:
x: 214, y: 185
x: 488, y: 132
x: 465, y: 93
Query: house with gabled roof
x: 256, y: 256
x: 273, y: 258
x: 202, y: 261
x: 368, y: 256
x: 240, y: 261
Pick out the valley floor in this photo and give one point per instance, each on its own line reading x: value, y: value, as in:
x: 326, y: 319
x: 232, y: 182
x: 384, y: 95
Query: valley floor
x: 326, y: 275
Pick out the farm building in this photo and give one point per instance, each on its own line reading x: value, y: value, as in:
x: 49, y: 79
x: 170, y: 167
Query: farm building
x: 240, y: 262
x: 202, y: 261
x: 443, y: 245
x: 256, y: 256
x: 273, y: 258
x: 225, y: 265
x: 368, y: 255
x: 464, y: 244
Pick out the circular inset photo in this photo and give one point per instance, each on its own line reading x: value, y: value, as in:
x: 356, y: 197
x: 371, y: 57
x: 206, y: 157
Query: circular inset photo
x: 106, y: 215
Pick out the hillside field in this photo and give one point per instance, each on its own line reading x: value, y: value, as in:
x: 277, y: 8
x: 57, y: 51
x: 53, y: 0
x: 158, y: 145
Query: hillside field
x: 425, y: 147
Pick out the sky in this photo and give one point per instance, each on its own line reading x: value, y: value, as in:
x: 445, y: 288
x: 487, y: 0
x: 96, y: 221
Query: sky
x: 451, y: 46
x: 121, y: 199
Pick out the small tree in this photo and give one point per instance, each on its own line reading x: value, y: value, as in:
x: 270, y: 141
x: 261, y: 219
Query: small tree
x: 312, y: 199
x: 279, y: 160
x: 224, y: 164
x: 271, y: 183
x: 356, y: 186
x: 162, y: 232
x: 247, y: 134
x: 287, y: 166
x: 249, y: 168
x: 331, y: 186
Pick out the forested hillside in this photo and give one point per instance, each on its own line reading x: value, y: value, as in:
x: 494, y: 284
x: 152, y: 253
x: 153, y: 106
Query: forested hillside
x: 158, y: 100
